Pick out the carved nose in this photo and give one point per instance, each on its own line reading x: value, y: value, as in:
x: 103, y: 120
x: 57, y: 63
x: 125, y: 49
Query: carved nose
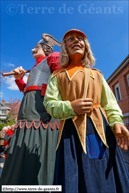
x: 76, y: 40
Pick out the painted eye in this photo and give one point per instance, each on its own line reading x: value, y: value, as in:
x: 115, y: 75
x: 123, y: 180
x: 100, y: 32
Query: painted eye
x: 69, y: 39
x: 80, y: 38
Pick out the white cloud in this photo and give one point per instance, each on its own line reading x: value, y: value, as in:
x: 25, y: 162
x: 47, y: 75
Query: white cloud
x: 25, y: 78
x: 1, y: 94
x: 9, y: 64
x: 12, y: 84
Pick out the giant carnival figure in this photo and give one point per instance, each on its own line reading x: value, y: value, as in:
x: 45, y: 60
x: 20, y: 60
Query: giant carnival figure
x: 31, y: 156
x: 88, y: 156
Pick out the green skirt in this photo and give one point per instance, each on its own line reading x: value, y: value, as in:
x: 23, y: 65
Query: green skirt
x: 31, y: 154
x: 31, y: 157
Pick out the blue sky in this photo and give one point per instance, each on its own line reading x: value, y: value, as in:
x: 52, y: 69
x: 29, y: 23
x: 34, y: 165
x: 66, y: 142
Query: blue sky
x: 22, y: 23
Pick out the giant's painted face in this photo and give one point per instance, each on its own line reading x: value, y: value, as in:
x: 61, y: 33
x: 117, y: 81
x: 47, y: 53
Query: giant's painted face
x: 37, y: 51
x: 75, y: 44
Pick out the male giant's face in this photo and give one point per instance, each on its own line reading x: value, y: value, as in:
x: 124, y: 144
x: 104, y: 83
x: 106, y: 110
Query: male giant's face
x: 37, y: 51
x: 41, y: 50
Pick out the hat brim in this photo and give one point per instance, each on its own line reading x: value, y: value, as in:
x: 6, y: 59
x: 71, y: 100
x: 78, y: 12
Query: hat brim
x: 75, y: 30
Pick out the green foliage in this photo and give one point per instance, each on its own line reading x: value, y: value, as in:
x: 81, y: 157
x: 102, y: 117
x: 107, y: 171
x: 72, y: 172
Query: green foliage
x: 6, y: 122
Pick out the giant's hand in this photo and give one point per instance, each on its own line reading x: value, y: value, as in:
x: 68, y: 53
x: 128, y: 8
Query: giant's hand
x: 122, y: 135
x: 20, y: 72
x: 82, y: 106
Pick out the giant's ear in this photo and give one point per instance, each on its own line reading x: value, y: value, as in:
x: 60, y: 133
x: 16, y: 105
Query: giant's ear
x: 50, y: 40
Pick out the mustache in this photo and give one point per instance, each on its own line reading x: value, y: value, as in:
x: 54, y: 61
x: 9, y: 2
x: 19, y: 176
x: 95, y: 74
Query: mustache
x: 34, y: 52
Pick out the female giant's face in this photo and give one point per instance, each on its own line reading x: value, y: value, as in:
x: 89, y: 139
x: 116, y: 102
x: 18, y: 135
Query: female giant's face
x: 75, y: 44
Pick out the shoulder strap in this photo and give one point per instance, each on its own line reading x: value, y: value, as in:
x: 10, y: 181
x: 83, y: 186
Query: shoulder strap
x: 86, y: 80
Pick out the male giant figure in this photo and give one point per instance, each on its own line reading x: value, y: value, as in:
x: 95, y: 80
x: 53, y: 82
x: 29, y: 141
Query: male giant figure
x: 31, y: 157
